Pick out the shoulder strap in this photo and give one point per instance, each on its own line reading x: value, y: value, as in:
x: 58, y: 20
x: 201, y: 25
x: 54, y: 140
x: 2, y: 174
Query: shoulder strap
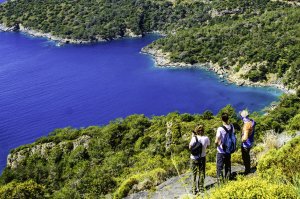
x: 196, y: 138
x: 228, y: 131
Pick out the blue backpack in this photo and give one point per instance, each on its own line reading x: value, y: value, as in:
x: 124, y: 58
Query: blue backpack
x: 229, y: 144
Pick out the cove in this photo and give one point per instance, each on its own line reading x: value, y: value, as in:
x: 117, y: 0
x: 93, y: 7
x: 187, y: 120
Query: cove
x: 43, y: 87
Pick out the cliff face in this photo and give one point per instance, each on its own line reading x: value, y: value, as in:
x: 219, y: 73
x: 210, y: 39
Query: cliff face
x: 15, y: 158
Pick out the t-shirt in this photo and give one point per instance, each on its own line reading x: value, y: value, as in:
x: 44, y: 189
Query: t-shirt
x: 221, y: 134
x: 204, y: 141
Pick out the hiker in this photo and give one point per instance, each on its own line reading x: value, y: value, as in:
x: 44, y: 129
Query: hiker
x: 226, y: 144
x: 198, y: 145
x: 247, y: 139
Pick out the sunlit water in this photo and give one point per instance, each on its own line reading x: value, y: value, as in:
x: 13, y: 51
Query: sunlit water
x: 43, y: 87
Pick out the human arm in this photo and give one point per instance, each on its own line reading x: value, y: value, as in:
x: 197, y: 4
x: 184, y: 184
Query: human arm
x: 218, y: 138
x: 207, y: 142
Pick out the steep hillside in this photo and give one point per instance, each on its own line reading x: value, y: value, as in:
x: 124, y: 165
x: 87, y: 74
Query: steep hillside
x: 278, y: 176
x: 126, y: 156
x: 262, y: 48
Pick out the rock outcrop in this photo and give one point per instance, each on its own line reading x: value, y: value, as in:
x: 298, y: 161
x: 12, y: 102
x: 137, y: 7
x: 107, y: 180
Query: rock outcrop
x: 169, y: 135
x: 216, y: 13
x: 15, y: 158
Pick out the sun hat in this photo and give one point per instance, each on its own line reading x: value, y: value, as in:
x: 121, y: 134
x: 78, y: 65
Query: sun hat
x: 244, y: 113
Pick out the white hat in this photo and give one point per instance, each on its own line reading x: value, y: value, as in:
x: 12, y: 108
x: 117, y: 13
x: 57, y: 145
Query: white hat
x: 244, y: 113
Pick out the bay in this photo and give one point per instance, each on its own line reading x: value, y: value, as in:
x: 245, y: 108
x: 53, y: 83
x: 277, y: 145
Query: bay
x: 44, y: 87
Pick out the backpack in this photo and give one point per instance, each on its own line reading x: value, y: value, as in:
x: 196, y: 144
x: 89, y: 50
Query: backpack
x: 229, y: 143
x: 196, y: 149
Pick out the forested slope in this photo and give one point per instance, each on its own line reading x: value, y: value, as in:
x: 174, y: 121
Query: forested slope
x: 136, y: 153
x: 258, y: 39
x: 107, y: 19
x: 255, y: 40
x: 258, y: 48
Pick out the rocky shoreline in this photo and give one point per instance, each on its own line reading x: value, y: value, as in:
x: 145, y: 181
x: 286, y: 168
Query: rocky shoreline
x: 162, y: 60
x: 59, y: 40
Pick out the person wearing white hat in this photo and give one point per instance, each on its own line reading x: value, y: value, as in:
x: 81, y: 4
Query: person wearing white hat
x: 247, y: 139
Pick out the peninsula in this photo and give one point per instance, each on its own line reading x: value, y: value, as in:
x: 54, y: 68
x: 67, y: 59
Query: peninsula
x: 249, y: 43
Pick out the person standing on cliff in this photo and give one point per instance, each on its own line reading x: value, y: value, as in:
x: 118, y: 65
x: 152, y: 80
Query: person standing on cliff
x: 224, y: 157
x: 247, y: 139
x: 198, y: 161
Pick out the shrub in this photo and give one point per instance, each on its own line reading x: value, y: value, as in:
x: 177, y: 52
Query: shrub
x: 270, y: 140
x: 207, y: 115
x: 236, y: 157
x: 28, y: 189
x: 254, y: 187
x: 211, y: 169
x: 294, y: 123
x: 281, y: 164
x: 140, y: 182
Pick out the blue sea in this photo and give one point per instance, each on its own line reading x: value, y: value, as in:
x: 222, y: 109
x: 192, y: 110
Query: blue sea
x: 44, y: 87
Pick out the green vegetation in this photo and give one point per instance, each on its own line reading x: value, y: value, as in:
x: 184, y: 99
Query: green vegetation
x: 27, y: 189
x: 263, y: 44
x: 108, y: 19
x: 137, y: 153
x: 282, y: 164
x: 259, y: 38
x: 278, y: 176
x: 254, y: 187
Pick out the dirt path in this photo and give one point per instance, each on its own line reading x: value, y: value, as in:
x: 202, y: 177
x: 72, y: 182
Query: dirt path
x: 177, y: 187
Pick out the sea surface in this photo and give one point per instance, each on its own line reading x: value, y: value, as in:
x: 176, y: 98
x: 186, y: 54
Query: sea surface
x: 43, y: 87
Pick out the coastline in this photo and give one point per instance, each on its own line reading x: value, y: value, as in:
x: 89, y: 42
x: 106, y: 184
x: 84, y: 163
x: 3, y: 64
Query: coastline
x: 62, y: 41
x: 34, y: 33
x: 162, y: 59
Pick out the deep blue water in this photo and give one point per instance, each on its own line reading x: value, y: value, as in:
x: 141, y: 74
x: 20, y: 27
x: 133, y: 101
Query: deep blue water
x: 43, y: 87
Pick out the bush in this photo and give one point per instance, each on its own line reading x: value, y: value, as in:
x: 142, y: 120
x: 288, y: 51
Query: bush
x: 28, y: 189
x: 211, y: 169
x: 254, y: 187
x: 281, y: 164
x: 140, y: 182
x: 294, y: 123
x: 236, y: 157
